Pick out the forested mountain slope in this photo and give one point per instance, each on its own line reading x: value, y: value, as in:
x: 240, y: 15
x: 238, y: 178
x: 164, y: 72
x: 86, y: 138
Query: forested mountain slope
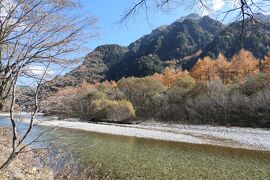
x: 179, y: 44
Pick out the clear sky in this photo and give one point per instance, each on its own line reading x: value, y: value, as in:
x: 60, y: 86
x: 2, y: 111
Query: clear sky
x: 109, y: 12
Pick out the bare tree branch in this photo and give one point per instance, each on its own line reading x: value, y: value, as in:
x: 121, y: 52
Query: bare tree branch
x: 246, y: 8
x: 41, y: 33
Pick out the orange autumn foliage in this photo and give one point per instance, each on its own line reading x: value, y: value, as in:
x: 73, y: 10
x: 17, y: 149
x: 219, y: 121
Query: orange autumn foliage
x: 168, y: 77
x: 266, y: 63
x: 109, y: 84
x: 244, y: 63
x: 83, y: 87
x: 222, y: 68
x: 204, y: 69
x: 238, y: 67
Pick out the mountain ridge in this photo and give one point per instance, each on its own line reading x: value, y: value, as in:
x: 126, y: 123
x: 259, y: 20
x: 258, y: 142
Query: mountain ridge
x: 184, y: 41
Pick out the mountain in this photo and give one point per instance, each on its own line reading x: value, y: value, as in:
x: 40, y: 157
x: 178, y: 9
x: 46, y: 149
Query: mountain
x: 255, y: 37
x: 183, y: 42
x: 94, y: 67
x: 262, y: 17
x: 192, y: 16
x: 182, y: 38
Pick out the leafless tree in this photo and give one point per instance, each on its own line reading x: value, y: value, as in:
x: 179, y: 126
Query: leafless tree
x: 17, y: 146
x: 36, y: 33
x: 241, y: 9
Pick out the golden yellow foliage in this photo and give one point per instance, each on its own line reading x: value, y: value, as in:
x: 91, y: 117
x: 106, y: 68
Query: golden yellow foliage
x: 244, y: 63
x: 266, y: 63
x: 204, y: 70
x: 113, y: 110
x: 108, y: 84
x: 169, y: 76
x: 84, y: 87
x: 238, y: 67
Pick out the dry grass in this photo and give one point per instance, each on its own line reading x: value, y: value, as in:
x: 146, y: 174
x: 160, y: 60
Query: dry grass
x: 24, y: 166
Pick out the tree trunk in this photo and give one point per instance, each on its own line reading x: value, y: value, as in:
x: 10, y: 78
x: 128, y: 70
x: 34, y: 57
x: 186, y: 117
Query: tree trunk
x: 1, y: 106
x: 8, y: 161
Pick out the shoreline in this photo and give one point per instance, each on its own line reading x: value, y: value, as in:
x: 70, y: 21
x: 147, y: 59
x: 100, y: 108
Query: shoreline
x: 25, y: 165
x: 235, y: 137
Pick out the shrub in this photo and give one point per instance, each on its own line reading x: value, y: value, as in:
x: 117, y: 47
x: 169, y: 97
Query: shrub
x: 95, y: 95
x: 143, y: 93
x: 255, y: 83
x: 104, y: 109
x: 176, y: 98
x: 185, y: 81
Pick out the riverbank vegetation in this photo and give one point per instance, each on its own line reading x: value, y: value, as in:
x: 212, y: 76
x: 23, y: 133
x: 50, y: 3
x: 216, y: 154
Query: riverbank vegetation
x: 24, y: 166
x: 218, y: 91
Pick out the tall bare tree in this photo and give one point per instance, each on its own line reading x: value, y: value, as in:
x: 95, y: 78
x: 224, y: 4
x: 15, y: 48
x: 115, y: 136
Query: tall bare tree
x: 37, y: 33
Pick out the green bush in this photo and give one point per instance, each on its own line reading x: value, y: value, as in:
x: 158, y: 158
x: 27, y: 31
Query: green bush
x: 144, y: 94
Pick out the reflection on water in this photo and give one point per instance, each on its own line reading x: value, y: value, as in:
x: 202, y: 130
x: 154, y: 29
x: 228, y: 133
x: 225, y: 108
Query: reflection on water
x: 151, y: 159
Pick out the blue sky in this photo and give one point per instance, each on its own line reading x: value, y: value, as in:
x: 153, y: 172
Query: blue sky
x: 109, y: 12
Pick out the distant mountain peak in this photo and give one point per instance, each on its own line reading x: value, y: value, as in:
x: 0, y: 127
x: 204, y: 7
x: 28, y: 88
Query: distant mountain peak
x: 159, y: 30
x: 192, y: 16
x: 262, y: 17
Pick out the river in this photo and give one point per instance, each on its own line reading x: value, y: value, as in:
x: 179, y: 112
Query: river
x: 138, y: 158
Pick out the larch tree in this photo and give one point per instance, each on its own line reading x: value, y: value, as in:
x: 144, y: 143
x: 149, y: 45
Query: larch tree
x: 266, y: 63
x: 204, y: 70
x: 244, y: 63
x: 168, y: 76
x: 222, y: 68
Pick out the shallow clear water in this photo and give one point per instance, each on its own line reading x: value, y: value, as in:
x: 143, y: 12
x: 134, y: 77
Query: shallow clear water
x: 137, y: 158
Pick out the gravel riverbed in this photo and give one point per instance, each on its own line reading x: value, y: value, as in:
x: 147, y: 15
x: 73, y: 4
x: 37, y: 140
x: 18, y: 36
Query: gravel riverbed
x: 247, y: 138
